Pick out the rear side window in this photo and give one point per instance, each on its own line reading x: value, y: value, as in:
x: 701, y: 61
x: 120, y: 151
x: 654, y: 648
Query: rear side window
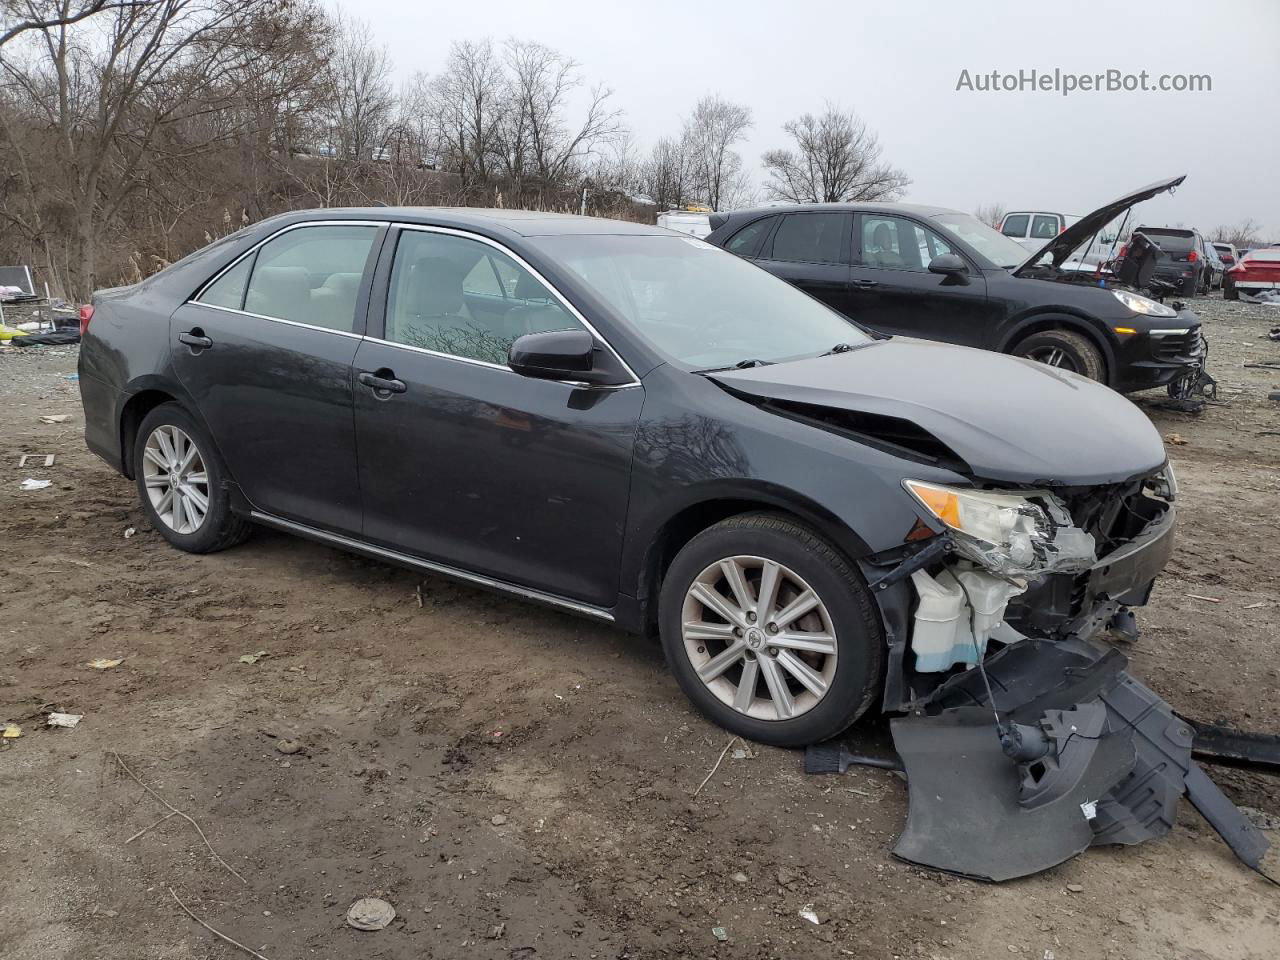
x: 1044, y: 227
x: 1015, y: 225
x: 811, y: 238
x: 311, y: 275
x: 228, y: 289
x: 747, y: 240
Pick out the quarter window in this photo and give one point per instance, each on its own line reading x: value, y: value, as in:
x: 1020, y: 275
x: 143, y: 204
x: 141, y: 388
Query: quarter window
x: 745, y: 242
x: 810, y: 238
x: 311, y: 275
x: 462, y: 297
x: 228, y: 289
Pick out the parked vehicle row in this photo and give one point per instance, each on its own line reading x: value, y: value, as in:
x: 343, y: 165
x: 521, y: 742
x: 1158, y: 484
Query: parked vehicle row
x: 641, y: 428
x: 940, y: 274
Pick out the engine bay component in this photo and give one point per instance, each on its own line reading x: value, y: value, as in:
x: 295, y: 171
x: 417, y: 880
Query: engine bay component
x: 956, y: 612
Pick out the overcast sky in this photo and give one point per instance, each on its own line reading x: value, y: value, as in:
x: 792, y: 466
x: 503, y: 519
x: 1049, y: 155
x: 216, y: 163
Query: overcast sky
x: 899, y: 70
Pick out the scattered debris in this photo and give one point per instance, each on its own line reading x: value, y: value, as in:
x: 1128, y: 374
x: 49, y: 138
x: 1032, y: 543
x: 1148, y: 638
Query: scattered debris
x: 1261, y: 819
x: 11, y: 731
x: 497, y: 930
x: 1196, y: 596
x: 138, y: 780
x: 719, y: 760
x: 720, y: 933
x: 1175, y: 439
x: 1074, y: 888
x: 498, y: 820
x: 56, y: 418
x: 28, y: 457
x: 739, y: 877
x: 370, y: 913
x: 103, y: 663
x: 129, y: 532
x: 72, y: 377
x: 289, y: 747
x: 806, y: 913
x: 216, y: 933
x: 65, y: 719
x: 253, y: 657
x: 30, y: 484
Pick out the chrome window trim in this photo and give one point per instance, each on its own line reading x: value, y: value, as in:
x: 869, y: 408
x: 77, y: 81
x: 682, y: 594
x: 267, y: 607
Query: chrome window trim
x: 369, y: 549
x: 195, y: 297
x: 466, y: 235
x: 263, y: 316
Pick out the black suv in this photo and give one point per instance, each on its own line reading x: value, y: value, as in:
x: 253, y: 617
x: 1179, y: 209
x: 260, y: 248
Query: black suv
x: 941, y: 274
x: 1185, y: 262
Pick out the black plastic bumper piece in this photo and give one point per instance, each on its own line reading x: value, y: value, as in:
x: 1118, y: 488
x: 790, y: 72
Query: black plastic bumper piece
x: 976, y: 812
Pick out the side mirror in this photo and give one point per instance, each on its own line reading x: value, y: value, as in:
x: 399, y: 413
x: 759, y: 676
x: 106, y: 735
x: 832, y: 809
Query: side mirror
x: 555, y: 355
x: 950, y: 266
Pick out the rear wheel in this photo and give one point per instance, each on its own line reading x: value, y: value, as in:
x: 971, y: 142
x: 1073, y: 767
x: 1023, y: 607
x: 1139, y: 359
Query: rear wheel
x: 180, y: 483
x: 770, y: 631
x: 1066, y: 350
x: 1229, y: 291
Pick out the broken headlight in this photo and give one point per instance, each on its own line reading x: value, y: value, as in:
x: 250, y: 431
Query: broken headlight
x: 1012, y: 535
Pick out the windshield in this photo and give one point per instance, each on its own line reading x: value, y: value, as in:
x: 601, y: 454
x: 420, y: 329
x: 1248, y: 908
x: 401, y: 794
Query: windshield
x: 1170, y: 241
x: 992, y: 244
x: 699, y: 305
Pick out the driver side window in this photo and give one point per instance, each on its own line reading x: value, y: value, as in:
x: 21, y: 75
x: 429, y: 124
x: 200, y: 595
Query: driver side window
x: 465, y: 298
x: 895, y: 243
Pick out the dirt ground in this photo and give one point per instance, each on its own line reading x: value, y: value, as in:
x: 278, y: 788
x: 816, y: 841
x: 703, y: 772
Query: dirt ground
x: 521, y: 784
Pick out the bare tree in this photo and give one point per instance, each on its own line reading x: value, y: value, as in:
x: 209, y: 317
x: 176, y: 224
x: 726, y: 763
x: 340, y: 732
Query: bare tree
x: 992, y: 214
x: 362, y: 101
x: 835, y: 159
x: 19, y: 16
x: 710, y: 133
x: 466, y: 104
x: 1246, y: 233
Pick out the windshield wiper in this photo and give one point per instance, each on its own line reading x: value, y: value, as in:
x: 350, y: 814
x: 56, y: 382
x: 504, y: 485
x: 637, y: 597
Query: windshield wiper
x: 740, y: 365
x: 838, y: 348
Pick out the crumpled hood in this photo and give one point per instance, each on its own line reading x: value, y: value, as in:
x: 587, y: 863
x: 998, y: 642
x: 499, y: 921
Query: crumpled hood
x: 1065, y: 243
x: 1010, y: 420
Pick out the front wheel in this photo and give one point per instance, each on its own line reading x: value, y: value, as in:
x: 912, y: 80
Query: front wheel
x: 1065, y: 350
x: 181, y: 483
x: 770, y: 631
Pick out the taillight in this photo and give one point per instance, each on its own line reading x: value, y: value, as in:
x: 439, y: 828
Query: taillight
x: 86, y: 314
x: 1124, y: 249
x: 1192, y: 257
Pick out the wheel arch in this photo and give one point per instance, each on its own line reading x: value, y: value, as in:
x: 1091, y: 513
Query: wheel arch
x: 689, y: 519
x: 1040, y: 322
x: 145, y: 394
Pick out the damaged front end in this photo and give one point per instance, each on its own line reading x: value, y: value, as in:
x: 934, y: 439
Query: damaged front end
x: 1025, y: 741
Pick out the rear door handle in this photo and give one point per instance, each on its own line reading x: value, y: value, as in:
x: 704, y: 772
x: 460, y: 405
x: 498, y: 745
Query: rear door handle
x: 380, y: 384
x: 866, y: 283
x: 196, y: 339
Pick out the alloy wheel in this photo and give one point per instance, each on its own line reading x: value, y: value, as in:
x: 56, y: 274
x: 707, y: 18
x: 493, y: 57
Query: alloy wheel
x: 759, y: 637
x: 1053, y: 357
x: 176, y: 479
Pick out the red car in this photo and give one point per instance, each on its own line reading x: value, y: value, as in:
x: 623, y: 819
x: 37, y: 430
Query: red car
x: 1257, y: 272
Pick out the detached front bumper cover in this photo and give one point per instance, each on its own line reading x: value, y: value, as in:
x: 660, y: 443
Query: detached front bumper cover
x: 1108, y: 766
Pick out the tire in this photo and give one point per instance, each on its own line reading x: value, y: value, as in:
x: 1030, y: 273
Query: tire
x: 844, y: 648
x: 1066, y: 350
x: 1188, y: 287
x: 1229, y: 291
x: 164, y: 430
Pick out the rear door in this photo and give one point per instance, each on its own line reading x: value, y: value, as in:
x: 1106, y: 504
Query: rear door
x: 468, y: 463
x: 811, y: 251
x: 265, y: 351
x: 895, y: 293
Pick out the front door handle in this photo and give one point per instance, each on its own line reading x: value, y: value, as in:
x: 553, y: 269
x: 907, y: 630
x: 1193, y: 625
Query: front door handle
x: 866, y: 283
x: 195, y: 339
x: 383, y: 383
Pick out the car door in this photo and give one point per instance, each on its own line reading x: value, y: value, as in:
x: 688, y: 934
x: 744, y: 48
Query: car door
x: 265, y: 352
x: 467, y: 463
x: 811, y: 251
x: 894, y: 292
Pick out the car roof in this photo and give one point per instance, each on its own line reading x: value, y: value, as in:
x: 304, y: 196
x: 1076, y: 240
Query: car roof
x: 918, y: 209
x: 525, y: 223
x: 1188, y: 231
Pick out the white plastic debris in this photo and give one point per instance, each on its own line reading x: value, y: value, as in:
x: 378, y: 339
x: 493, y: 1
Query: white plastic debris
x: 370, y: 913
x: 30, y: 484
x: 65, y: 719
x: 105, y: 663
x: 129, y: 532
x: 56, y: 418
x: 807, y: 913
